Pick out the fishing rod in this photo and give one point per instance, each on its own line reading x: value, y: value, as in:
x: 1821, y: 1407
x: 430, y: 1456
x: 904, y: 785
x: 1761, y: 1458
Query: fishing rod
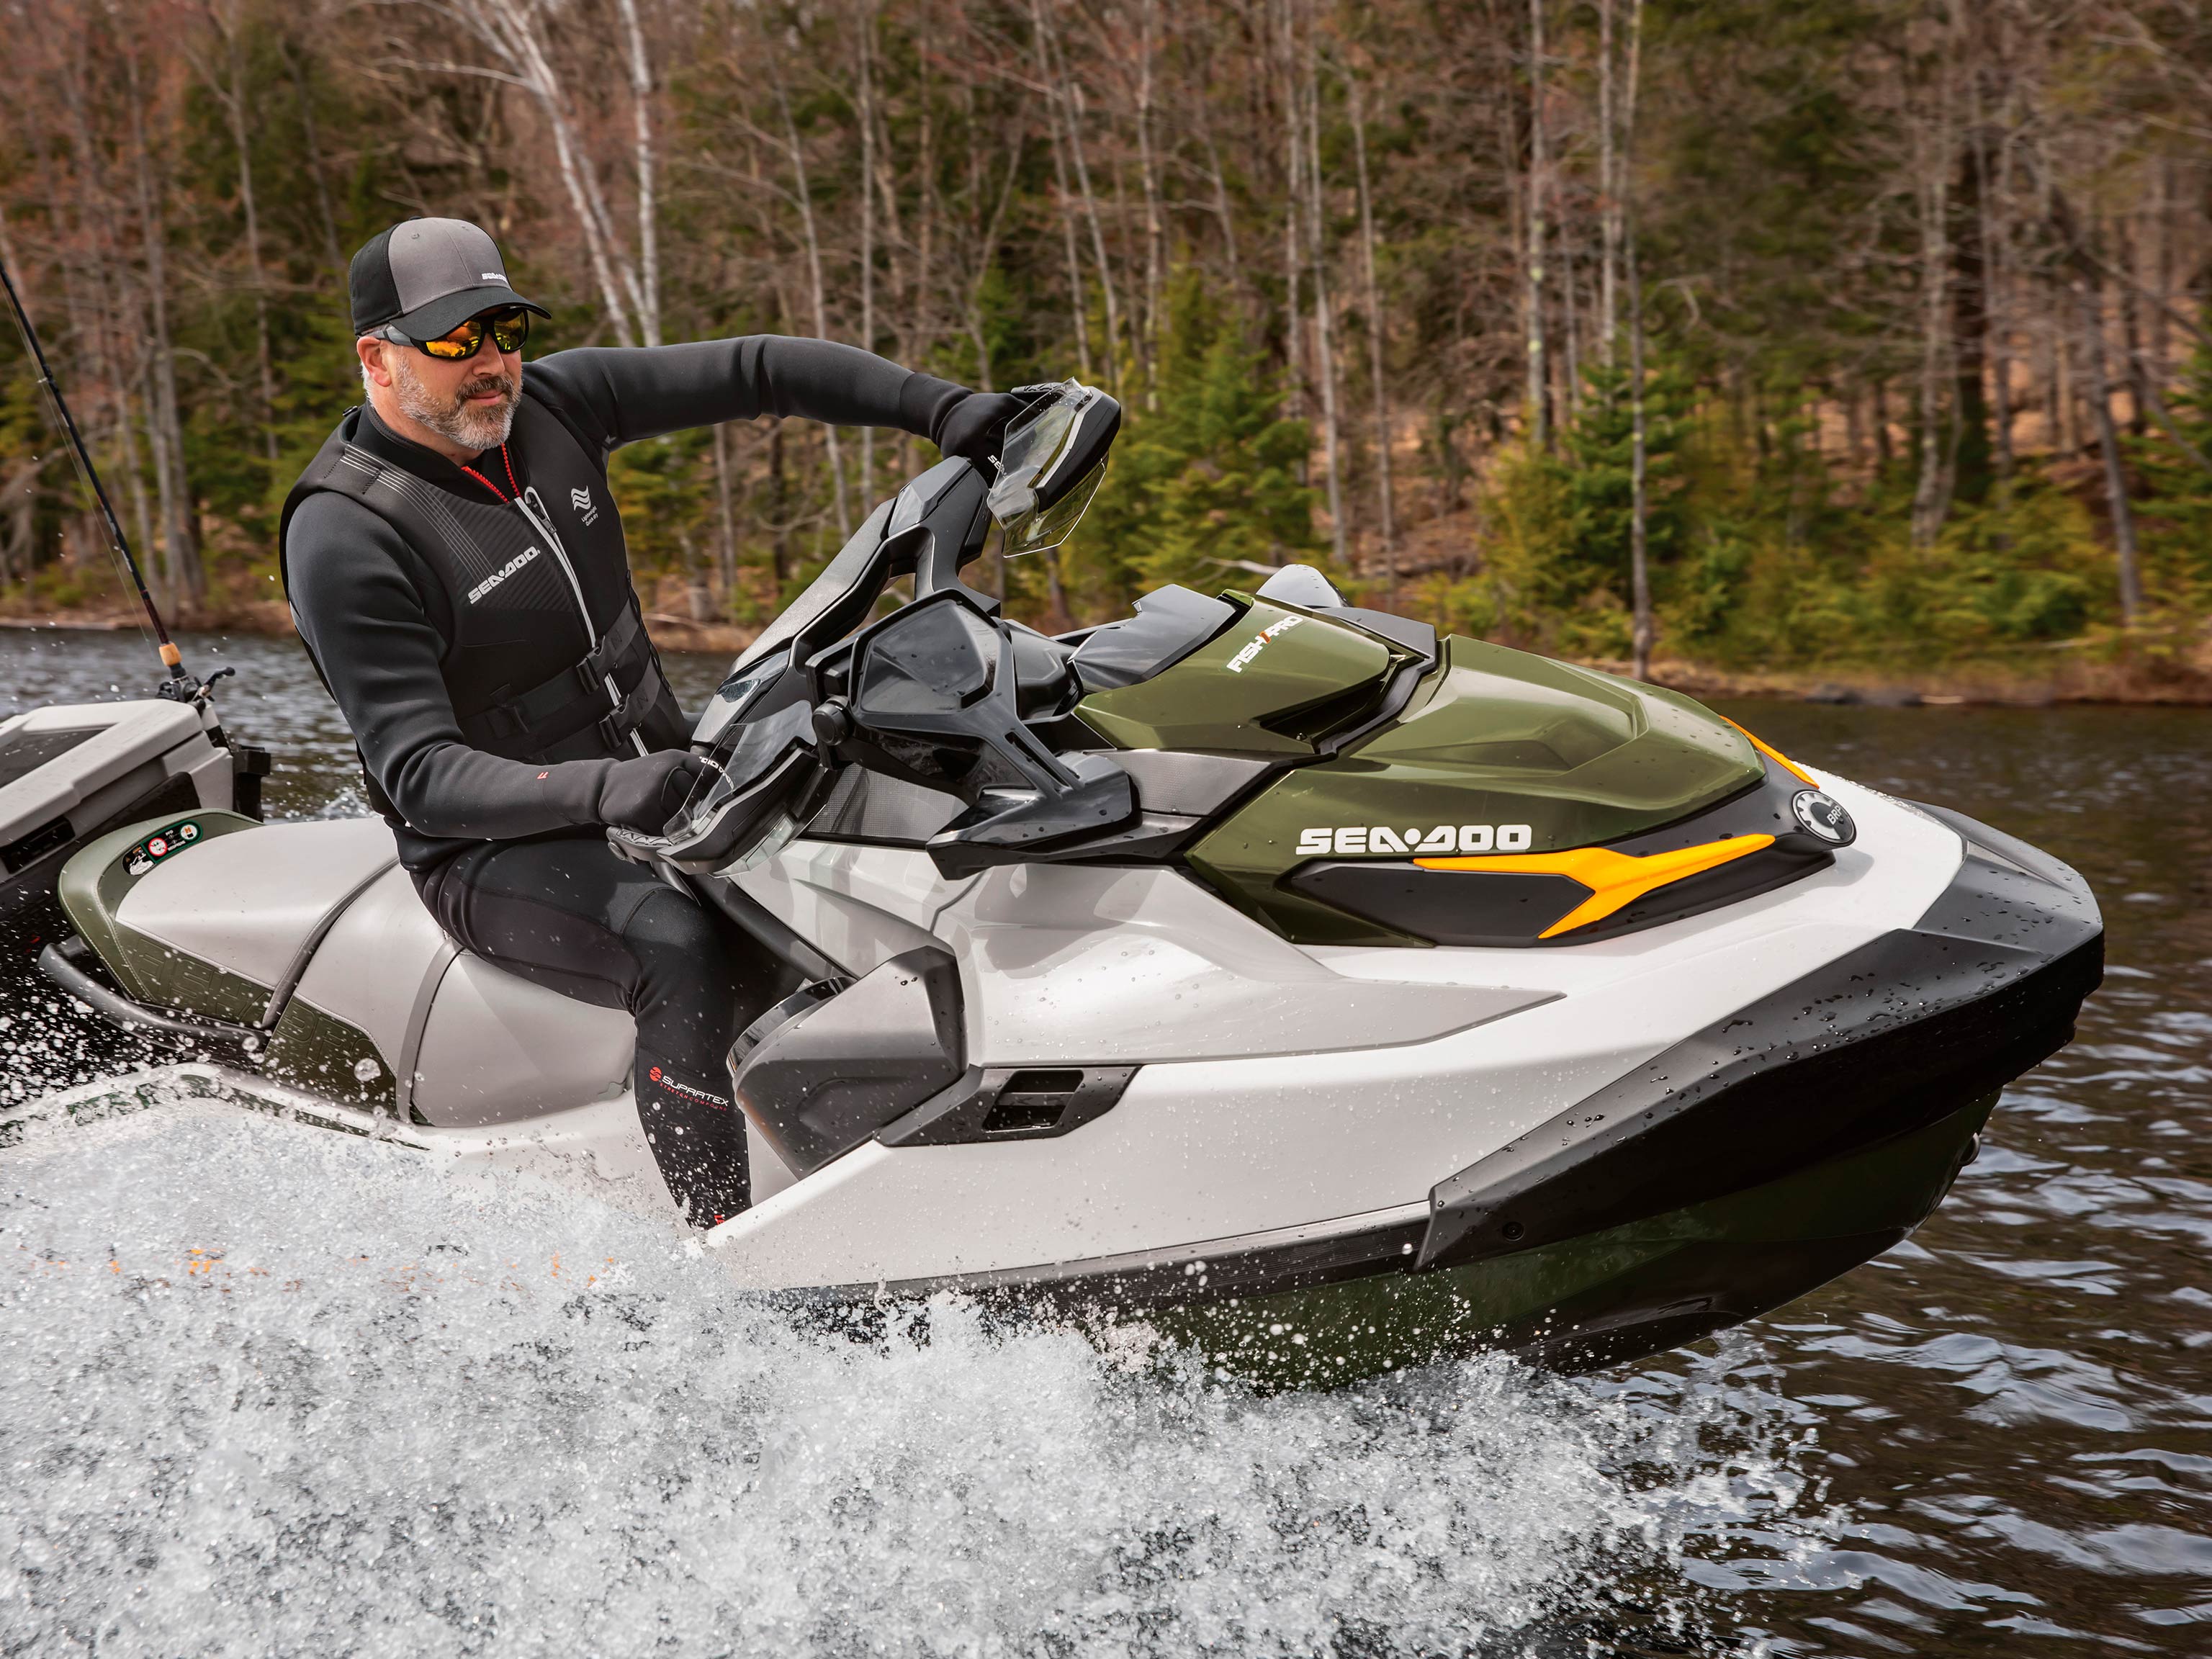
x: 181, y: 685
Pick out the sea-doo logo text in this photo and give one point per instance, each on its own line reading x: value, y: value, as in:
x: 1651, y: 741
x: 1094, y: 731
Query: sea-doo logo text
x: 501, y: 575
x: 581, y: 500
x: 685, y: 1091
x: 1236, y: 663
x: 1383, y: 839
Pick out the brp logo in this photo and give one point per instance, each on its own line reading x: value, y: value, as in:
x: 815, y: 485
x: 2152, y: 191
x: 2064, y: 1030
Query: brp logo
x: 1824, y: 816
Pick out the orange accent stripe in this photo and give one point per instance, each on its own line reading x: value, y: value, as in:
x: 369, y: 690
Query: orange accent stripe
x: 1778, y: 757
x: 1615, y: 879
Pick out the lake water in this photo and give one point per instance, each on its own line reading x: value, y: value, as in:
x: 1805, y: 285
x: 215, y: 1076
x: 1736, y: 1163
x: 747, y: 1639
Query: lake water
x: 268, y: 1390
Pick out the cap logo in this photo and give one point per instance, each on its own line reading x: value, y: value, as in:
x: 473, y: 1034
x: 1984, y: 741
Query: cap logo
x: 494, y: 276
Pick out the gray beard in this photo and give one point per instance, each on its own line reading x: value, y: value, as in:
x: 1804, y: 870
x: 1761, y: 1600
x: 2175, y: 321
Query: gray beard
x: 465, y: 424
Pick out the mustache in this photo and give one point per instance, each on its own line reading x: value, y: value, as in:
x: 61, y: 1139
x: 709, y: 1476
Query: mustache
x: 479, y: 384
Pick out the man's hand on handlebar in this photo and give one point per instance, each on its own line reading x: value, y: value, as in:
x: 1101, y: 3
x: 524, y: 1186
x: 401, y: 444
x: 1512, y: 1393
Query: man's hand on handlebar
x: 644, y: 793
x: 975, y: 428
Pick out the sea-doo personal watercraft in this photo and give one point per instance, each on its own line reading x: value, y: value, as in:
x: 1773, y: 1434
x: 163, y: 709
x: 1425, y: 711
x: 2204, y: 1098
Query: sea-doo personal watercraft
x: 1258, y: 965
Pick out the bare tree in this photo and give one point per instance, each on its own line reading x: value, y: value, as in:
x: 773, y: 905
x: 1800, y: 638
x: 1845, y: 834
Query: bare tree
x: 803, y: 196
x: 644, y: 282
x: 1639, y: 506
x: 1608, y: 187
x: 514, y: 31
x: 228, y: 84
x: 1539, y: 167
x: 1309, y: 87
x: 2089, y: 298
x: 1931, y: 164
x: 1377, y: 331
x: 183, y: 574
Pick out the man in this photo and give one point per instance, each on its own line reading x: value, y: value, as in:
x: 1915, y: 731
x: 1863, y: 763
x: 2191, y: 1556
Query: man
x: 456, y: 565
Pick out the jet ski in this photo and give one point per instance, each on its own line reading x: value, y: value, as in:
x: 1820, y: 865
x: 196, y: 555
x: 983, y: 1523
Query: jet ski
x: 1260, y: 968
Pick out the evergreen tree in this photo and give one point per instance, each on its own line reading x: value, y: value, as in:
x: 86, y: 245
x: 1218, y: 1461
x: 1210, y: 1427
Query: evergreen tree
x: 2178, y: 515
x: 1204, y: 482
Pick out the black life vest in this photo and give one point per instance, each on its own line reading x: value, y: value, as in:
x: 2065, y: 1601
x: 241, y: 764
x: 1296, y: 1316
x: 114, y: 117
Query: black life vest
x: 546, y: 657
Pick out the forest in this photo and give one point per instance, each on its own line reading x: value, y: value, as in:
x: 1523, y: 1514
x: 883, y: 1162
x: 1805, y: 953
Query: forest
x: 1872, y: 332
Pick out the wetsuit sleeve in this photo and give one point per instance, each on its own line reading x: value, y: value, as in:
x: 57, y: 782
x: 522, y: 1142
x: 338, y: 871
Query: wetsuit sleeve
x: 363, y: 621
x: 622, y: 396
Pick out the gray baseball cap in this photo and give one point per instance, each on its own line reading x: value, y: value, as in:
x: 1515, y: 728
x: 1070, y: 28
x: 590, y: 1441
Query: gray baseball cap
x: 428, y: 277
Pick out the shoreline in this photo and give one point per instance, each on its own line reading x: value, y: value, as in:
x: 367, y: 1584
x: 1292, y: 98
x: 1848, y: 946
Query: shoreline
x: 1971, y: 684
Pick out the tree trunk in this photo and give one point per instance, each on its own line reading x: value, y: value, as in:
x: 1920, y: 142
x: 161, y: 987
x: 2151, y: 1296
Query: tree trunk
x: 2130, y: 250
x: 1539, y: 429
x: 1324, y: 347
x: 2108, y: 442
x: 921, y: 337
x: 93, y: 318
x: 1609, y: 190
x: 806, y: 199
x: 1056, y: 589
x: 1969, y: 467
x: 234, y: 101
x: 180, y: 555
x: 1149, y: 336
x: 1639, y: 542
x: 867, y: 111
x: 1294, y: 325
x: 1066, y: 94
x: 1931, y: 495
x: 646, y: 289
x: 1566, y: 399
x: 1221, y: 210
x: 779, y: 507
x: 1077, y: 301
x: 2162, y: 287
x: 1377, y: 329
x: 2067, y: 421
x: 311, y: 136
x: 725, y: 547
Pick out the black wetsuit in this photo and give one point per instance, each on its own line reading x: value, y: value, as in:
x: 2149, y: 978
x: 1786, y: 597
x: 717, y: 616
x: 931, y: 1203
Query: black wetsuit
x: 510, y: 853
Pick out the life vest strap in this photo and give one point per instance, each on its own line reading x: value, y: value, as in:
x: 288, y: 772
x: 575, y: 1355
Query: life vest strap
x: 576, y: 697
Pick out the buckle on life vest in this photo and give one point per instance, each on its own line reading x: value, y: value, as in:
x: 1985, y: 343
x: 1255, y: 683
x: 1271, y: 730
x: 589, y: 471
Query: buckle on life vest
x: 616, y: 727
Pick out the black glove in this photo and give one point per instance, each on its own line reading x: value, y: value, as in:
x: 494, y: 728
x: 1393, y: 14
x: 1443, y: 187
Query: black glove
x: 644, y: 793
x: 975, y: 427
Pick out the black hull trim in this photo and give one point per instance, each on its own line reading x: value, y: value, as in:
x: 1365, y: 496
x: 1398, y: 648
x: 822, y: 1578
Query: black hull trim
x: 1684, y: 1297
x: 1186, y: 1275
x: 1877, y: 1044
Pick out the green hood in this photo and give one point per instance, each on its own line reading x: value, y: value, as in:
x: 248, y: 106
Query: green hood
x: 1496, y: 750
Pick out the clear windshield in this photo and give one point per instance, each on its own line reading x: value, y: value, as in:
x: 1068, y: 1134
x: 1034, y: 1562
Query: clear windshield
x: 1036, y: 443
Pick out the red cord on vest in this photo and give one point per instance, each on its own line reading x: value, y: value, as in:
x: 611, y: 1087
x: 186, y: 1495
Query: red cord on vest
x: 492, y: 486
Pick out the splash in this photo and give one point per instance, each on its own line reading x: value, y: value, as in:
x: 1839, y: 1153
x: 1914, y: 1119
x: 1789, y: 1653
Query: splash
x: 273, y: 1389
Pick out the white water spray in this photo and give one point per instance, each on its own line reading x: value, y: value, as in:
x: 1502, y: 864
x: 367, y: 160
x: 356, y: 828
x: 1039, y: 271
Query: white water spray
x: 271, y: 1390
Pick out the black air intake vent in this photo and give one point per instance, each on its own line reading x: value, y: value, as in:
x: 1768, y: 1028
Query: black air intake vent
x: 994, y: 1102
x: 1031, y: 1101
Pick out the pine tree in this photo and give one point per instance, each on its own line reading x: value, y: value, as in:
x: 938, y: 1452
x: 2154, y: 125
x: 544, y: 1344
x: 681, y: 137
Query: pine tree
x: 2178, y: 512
x: 1206, y: 484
